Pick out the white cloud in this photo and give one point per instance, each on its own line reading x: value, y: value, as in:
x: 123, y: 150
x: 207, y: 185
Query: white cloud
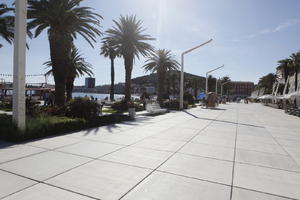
x: 280, y: 27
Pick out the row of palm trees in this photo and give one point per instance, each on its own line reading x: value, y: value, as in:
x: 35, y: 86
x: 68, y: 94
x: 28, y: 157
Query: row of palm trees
x: 64, y: 20
x: 290, y: 66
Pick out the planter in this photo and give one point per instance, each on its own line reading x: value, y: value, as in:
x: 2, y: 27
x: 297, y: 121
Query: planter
x: 131, y: 112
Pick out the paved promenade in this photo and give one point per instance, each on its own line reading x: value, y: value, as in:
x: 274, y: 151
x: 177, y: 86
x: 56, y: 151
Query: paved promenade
x: 239, y: 152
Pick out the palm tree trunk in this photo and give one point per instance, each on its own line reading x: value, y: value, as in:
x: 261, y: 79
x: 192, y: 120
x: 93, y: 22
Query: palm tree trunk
x: 296, y: 78
x: 112, y: 85
x: 160, y: 88
x: 128, y: 71
x: 69, y: 88
x: 60, y: 49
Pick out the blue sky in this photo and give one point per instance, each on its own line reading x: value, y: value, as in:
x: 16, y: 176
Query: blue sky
x: 249, y: 36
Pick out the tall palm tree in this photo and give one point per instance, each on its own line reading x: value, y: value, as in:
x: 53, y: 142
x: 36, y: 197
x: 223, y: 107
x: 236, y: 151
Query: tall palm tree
x: 127, y: 35
x: 64, y: 20
x: 79, y: 67
x: 284, y: 67
x: 6, y: 24
x: 108, y: 50
x: 161, y: 61
x: 267, y: 82
x: 295, y: 65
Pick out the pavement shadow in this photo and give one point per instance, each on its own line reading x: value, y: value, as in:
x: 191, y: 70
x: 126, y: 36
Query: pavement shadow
x: 224, y: 121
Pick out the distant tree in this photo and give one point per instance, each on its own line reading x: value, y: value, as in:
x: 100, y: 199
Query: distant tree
x: 64, y: 21
x: 78, y: 67
x: 127, y: 35
x: 108, y: 50
x: 161, y: 62
x: 226, y: 87
x: 211, y: 83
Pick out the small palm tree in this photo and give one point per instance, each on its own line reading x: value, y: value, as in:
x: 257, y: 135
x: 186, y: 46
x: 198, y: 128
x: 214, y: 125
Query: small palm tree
x: 161, y: 62
x: 64, y: 20
x: 108, y: 50
x: 6, y: 24
x: 79, y: 67
x: 127, y: 35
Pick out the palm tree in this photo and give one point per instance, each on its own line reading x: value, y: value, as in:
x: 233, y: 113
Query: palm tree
x: 6, y: 24
x: 267, y: 82
x: 161, y: 61
x: 283, y: 66
x: 79, y: 67
x: 108, y: 50
x: 127, y: 36
x: 295, y: 66
x: 64, y: 20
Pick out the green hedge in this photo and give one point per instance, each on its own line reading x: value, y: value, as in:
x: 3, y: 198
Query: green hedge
x: 44, y: 125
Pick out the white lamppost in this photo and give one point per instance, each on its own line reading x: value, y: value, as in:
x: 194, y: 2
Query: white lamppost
x: 217, y: 86
x: 19, y: 112
x: 206, y: 82
x: 182, y: 70
x: 222, y: 87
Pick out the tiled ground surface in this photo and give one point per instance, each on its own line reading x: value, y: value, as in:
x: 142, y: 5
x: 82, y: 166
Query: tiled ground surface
x: 238, y: 152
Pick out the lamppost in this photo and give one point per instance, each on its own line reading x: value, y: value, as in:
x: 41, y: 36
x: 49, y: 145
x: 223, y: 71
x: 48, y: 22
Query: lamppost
x: 222, y: 87
x: 206, y: 83
x: 182, y: 70
x: 217, y: 86
x: 19, y: 113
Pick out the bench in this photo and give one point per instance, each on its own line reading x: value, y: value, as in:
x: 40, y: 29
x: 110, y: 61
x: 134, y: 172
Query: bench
x: 154, y: 108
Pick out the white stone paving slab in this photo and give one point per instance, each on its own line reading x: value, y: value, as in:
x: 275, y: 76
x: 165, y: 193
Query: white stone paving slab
x: 241, y: 194
x: 198, y: 167
x: 90, y: 148
x: 225, y: 142
x: 121, y: 139
x: 294, y: 153
x: 147, y: 158
x: 272, y: 181
x: 261, y: 147
x: 45, y: 192
x: 160, y: 144
x: 10, y: 183
x: 101, y: 179
x: 17, y: 151
x: 53, y: 142
x: 44, y: 165
x: 206, y: 150
x: 162, y: 186
x: 267, y: 159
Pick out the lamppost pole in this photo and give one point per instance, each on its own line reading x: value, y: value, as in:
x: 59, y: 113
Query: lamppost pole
x: 206, y: 84
x: 216, y: 86
x: 19, y: 113
x: 182, y: 70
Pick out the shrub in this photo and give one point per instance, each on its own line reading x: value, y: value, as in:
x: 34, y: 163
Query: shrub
x: 6, y: 105
x: 189, y: 98
x: 123, y: 105
x: 46, y: 125
x: 82, y: 108
x: 173, y: 104
x: 38, y: 127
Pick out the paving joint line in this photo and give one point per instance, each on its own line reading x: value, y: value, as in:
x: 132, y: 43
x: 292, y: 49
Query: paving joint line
x: 234, y: 153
